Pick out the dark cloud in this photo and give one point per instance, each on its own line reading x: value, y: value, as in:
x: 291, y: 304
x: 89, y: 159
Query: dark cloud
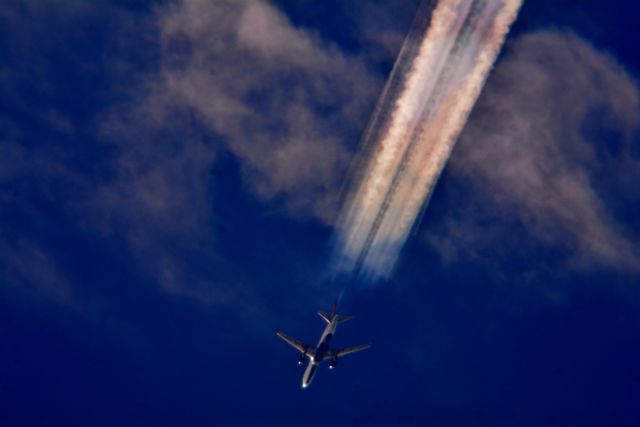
x: 31, y: 267
x: 209, y: 79
x: 381, y: 27
x: 285, y: 103
x: 28, y: 176
x: 231, y: 77
x: 548, y: 146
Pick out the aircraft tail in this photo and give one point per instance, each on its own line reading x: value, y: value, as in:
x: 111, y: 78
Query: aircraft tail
x: 327, y: 317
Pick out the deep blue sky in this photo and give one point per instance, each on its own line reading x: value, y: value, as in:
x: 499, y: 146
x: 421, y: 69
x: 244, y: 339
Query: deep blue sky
x: 156, y: 230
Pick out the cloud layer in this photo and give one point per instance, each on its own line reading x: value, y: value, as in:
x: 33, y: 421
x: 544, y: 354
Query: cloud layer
x: 228, y: 77
x: 549, y: 145
x: 279, y: 98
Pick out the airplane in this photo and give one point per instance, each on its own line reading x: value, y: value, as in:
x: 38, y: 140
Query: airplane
x: 322, y: 351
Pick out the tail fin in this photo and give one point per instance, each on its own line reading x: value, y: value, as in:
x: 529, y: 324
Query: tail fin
x: 325, y: 316
x: 334, y: 315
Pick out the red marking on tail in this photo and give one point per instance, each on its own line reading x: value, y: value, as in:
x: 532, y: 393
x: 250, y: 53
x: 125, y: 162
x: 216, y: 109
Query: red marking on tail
x: 334, y: 307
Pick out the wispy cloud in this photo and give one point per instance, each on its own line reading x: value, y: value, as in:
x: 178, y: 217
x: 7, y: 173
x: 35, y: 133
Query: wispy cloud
x: 205, y: 78
x: 279, y: 98
x: 232, y: 77
x: 549, y: 146
x: 31, y: 268
x: 191, y: 80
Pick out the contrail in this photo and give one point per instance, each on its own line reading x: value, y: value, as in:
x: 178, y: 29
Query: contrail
x: 436, y: 80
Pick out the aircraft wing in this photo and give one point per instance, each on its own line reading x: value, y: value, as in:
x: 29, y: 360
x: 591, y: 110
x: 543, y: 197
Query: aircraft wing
x: 344, y: 351
x: 302, y: 348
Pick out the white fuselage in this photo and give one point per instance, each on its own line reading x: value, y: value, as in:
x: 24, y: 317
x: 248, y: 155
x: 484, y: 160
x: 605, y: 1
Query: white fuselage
x: 321, y: 352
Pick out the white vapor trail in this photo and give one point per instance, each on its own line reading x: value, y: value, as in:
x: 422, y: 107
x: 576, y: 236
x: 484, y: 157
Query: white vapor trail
x: 435, y: 82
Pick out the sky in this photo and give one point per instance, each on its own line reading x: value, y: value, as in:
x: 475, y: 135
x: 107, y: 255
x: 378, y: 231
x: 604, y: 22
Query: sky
x: 170, y: 177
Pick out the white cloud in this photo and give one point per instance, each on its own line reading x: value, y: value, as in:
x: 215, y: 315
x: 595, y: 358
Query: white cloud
x: 238, y: 77
x: 548, y: 144
x: 282, y: 100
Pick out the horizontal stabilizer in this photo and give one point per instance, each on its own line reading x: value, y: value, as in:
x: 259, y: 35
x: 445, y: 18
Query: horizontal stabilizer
x: 325, y: 316
x: 344, y: 351
x: 342, y: 319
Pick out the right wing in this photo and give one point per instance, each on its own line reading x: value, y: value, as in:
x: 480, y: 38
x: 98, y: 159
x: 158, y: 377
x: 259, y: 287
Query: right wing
x: 302, y: 348
x: 344, y: 351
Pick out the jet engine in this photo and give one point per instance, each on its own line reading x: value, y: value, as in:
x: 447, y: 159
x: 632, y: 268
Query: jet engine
x: 333, y: 363
x: 301, y: 359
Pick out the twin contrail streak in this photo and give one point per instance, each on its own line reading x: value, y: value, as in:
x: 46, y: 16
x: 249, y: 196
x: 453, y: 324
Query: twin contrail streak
x: 435, y: 82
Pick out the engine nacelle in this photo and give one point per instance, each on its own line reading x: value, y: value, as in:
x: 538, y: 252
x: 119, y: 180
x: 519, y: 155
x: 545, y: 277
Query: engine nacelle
x: 301, y: 359
x: 333, y: 363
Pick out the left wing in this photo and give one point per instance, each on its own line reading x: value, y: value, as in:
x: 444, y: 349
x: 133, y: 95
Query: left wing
x: 302, y: 348
x: 344, y: 351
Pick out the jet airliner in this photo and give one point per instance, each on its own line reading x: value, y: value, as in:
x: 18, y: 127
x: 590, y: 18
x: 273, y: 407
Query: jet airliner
x: 322, y: 351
